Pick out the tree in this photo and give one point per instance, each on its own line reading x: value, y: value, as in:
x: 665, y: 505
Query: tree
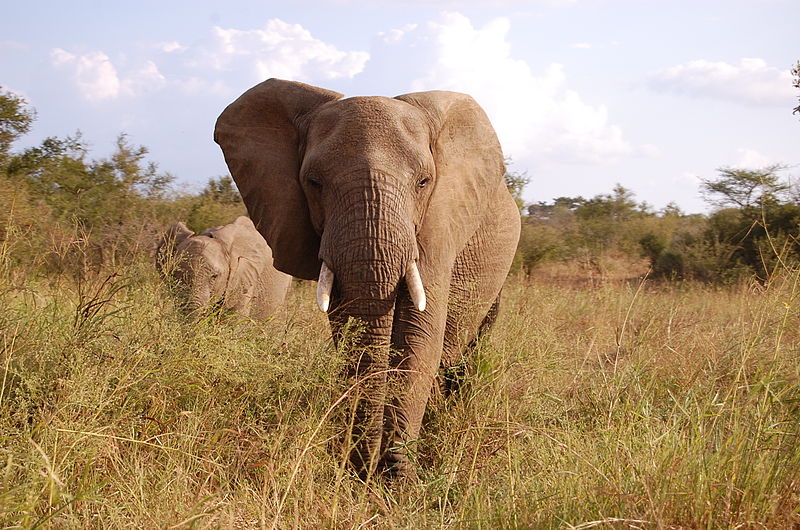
x: 796, y: 74
x: 128, y: 168
x: 222, y: 190
x: 745, y: 188
x: 15, y: 119
x: 757, y: 222
x: 55, y: 166
x: 516, y: 183
x: 543, y: 210
x: 616, y: 206
x: 103, y: 191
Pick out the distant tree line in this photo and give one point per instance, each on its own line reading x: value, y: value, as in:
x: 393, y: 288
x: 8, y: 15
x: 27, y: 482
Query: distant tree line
x: 753, y: 230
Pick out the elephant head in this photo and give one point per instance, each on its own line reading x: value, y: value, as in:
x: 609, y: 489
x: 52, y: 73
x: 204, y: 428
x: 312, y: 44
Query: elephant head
x: 228, y: 265
x: 376, y: 198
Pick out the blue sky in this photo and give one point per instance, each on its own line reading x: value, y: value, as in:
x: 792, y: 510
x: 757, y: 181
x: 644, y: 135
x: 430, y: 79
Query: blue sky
x: 583, y: 93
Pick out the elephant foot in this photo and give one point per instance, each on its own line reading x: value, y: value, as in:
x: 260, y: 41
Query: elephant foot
x: 388, y: 471
x: 362, y: 464
x: 396, y: 467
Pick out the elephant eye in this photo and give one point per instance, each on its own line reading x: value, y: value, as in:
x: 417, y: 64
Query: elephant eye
x: 314, y: 182
x: 423, y: 182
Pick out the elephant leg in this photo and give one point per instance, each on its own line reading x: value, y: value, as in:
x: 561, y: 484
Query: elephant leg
x: 479, y: 273
x: 366, y: 374
x: 454, y: 374
x: 414, y: 361
x: 458, y: 307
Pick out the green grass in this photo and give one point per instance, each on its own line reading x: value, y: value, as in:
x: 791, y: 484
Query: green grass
x: 622, y: 405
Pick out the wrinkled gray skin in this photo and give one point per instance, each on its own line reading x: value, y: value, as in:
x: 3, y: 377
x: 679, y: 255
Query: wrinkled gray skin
x: 370, y: 185
x: 229, y: 265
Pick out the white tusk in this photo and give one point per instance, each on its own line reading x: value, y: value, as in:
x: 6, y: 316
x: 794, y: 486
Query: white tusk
x: 324, y: 286
x: 415, y: 288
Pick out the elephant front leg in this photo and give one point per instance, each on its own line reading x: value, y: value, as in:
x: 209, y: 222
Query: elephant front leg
x: 367, y: 348
x: 414, y: 361
x: 479, y: 272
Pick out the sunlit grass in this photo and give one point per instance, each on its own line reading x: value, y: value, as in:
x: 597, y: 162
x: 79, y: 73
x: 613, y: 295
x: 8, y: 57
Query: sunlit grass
x: 624, y: 405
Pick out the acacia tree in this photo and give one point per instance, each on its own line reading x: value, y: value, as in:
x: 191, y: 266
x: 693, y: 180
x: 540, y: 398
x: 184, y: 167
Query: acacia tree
x: 745, y: 188
x: 757, y: 220
x: 796, y: 74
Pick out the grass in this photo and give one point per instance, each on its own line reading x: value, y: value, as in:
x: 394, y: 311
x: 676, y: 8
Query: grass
x: 613, y: 405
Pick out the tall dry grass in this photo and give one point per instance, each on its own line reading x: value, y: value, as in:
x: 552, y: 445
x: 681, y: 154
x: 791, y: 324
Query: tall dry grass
x: 614, y: 405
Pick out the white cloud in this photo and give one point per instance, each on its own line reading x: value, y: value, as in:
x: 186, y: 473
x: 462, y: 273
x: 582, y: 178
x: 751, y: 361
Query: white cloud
x: 535, y: 115
x: 170, y: 47
x: 283, y: 50
x: 649, y: 151
x: 394, y: 35
x: 751, y: 81
x: 752, y: 159
x: 278, y: 50
x: 98, y: 79
x: 144, y: 79
x: 581, y: 46
x: 93, y: 72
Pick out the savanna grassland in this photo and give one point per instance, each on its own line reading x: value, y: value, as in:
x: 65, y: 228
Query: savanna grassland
x: 604, y: 397
x: 613, y: 404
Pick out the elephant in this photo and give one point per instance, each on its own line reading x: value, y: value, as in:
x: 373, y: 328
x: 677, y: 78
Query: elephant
x: 230, y: 265
x: 399, y: 208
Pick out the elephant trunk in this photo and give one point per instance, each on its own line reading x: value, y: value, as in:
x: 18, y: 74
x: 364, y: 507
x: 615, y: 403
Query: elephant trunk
x: 361, y: 316
x: 367, y: 248
x: 368, y: 243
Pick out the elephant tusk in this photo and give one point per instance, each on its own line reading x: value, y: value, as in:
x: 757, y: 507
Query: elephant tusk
x: 324, y: 286
x: 415, y: 287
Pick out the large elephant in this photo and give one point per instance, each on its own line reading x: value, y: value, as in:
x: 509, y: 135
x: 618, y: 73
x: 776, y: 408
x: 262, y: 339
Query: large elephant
x: 229, y: 265
x: 400, y: 209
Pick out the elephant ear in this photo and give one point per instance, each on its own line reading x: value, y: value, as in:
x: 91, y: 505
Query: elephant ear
x: 261, y: 135
x: 248, y: 255
x: 469, y: 168
x: 241, y: 240
x: 165, y: 251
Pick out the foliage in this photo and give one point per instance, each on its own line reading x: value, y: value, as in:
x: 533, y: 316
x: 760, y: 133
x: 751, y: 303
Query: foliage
x: 16, y: 119
x: 216, y: 204
x: 745, y: 188
x: 221, y: 190
x: 96, y: 212
x: 755, y: 228
x: 579, y: 228
x: 516, y: 182
x: 796, y: 74
x: 757, y: 223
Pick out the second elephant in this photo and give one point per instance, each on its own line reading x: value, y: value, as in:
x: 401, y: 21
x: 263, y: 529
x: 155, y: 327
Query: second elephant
x: 230, y: 265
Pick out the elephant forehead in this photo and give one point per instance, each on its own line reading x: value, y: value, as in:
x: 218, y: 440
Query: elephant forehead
x: 370, y: 118
x: 203, y: 249
x: 375, y: 132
